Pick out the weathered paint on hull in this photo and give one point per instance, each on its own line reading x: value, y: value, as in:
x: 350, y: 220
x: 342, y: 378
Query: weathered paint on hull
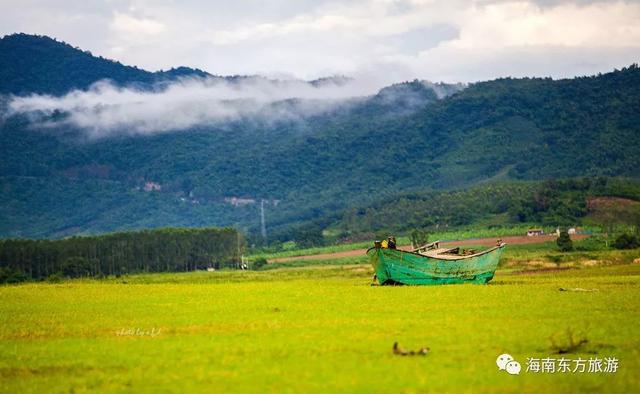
x: 396, y: 266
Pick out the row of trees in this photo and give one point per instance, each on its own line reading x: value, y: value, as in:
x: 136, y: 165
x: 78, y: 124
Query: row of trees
x: 169, y: 249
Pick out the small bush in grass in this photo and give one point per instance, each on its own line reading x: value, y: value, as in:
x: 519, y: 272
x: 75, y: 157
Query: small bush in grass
x: 564, y: 242
x: 626, y: 241
x: 259, y: 263
x: 567, y: 342
x: 555, y: 258
x: 594, y: 243
x: 55, y: 278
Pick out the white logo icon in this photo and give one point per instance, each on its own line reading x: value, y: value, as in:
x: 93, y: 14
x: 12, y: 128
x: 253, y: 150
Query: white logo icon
x: 506, y: 363
x: 513, y: 367
x: 502, y: 361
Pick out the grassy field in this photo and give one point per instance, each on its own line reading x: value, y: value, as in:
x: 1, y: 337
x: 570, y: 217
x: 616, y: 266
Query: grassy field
x: 469, y: 233
x: 314, y: 329
x: 526, y: 256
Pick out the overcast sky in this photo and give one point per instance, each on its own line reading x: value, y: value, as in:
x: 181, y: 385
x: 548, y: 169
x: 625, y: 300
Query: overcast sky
x: 383, y: 39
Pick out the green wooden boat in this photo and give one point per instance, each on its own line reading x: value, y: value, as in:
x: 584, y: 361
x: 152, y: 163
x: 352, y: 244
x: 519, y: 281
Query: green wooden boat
x: 432, y: 265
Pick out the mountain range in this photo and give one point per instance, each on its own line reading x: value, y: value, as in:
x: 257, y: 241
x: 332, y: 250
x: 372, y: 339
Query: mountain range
x: 302, y: 157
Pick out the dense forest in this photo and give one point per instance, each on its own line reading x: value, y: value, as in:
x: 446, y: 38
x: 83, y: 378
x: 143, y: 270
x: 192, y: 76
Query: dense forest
x: 552, y: 203
x: 164, y: 250
x: 39, y: 64
x: 408, y: 138
x: 561, y: 203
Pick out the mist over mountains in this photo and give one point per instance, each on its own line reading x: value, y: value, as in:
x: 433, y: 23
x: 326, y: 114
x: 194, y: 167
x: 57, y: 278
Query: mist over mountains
x: 90, y: 145
x: 104, y: 97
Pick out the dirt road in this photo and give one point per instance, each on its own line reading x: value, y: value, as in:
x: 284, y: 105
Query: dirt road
x: 513, y: 240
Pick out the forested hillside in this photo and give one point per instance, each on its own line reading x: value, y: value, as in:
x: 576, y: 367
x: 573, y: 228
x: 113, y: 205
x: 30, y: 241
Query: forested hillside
x: 39, y: 64
x: 564, y: 203
x: 409, y: 137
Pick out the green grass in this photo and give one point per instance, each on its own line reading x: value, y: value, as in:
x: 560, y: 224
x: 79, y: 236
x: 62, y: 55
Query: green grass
x: 312, y: 329
x: 322, y: 249
x: 589, y: 250
x: 519, y: 255
x: 457, y: 234
x: 363, y: 259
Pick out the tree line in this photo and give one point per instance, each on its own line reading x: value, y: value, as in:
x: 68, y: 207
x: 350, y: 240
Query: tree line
x: 161, y: 250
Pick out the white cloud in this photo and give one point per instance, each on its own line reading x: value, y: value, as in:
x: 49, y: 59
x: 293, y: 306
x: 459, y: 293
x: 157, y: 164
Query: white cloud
x: 521, y: 24
x: 523, y: 39
x: 104, y: 109
x: 310, y: 38
x: 355, y: 21
x: 130, y: 25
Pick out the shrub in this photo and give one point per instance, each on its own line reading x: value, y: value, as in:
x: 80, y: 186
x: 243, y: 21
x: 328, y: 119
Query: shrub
x: 555, y: 258
x: 309, y: 236
x: 590, y: 244
x: 9, y: 275
x: 419, y: 237
x: 564, y: 242
x: 259, y: 263
x: 626, y: 241
x: 75, y: 267
x: 55, y: 278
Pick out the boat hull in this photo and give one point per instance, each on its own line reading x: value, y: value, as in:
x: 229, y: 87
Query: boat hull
x: 394, y: 266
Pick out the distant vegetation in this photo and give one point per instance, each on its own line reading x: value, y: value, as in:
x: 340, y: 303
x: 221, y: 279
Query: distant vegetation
x: 119, y: 253
x: 627, y: 241
x: 564, y: 241
x: 565, y: 203
x: 376, y: 163
x: 39, y: 64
